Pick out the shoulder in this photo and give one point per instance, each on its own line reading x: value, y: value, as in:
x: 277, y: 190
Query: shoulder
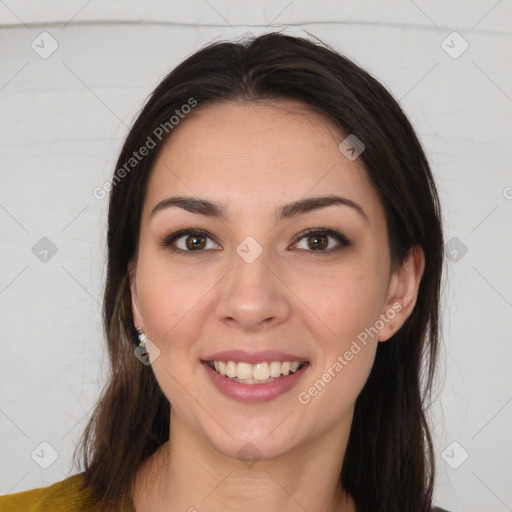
x: 66, y: 495
x: 439, y: 509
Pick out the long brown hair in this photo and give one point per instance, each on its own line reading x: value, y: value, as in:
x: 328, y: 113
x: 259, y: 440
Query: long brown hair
x: 389, y: 462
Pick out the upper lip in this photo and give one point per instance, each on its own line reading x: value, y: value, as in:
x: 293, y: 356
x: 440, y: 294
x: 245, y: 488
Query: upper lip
x: 241, y: 356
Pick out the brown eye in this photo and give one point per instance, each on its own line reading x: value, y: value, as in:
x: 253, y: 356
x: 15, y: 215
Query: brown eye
x: 317, y: 242
x: 320, y: 241
x: 194, y: 242
x: 188, y: 241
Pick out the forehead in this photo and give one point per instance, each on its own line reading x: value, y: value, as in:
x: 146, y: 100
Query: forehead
x: 258, y: 155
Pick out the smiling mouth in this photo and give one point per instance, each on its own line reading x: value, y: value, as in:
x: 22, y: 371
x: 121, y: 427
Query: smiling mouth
x: 259, y: 373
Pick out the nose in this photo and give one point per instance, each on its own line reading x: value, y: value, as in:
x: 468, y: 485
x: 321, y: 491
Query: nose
x: 253, y: 296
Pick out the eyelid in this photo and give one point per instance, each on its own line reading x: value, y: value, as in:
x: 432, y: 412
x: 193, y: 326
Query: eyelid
x: 166, y: 241
x: 342, y: 240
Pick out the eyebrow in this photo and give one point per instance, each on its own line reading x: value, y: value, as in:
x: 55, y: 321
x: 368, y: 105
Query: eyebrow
x: 214, y: 209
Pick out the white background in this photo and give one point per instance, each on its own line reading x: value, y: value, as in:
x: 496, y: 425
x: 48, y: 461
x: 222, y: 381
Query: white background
x: 62, y: 122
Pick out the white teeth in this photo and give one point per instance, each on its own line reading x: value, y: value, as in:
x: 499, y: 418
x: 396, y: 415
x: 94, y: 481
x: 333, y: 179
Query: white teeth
x: 260, y: 371
x: 275, y: 368
x: 252, y: 373
x: 244, y: 371
x: 231, y: 369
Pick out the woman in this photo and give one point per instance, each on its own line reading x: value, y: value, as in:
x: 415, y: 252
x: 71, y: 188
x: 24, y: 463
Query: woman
x: 275, y: 255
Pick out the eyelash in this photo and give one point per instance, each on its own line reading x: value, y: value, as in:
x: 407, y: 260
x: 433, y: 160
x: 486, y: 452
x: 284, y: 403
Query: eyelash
x: 168, y: 240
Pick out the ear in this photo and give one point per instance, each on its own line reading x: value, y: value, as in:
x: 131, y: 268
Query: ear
x: 402, y: 293
x: 137, y: 315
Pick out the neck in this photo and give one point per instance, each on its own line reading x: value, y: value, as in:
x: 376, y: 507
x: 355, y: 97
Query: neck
x: 187, y: 473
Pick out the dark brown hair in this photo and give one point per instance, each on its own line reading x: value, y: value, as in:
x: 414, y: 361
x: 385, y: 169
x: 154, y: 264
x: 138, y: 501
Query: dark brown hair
x: 389, y: 462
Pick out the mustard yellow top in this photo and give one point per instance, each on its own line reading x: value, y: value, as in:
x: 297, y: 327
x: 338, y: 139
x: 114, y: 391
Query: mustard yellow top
x: 63, y: 496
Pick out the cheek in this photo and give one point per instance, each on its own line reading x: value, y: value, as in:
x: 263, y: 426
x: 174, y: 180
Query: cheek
x: 171, y: 303
x: 348, y: 305
x: 172, y: 307
x: 347, y: 302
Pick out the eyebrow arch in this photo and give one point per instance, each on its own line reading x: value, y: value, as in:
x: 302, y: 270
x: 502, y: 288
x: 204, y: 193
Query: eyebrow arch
x: 214, y: 209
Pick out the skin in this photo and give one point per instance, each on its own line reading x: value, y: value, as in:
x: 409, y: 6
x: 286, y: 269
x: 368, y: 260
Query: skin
x: 254, y: 158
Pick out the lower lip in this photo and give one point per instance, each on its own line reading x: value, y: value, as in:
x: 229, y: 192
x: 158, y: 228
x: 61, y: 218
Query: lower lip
x: 254, y: 392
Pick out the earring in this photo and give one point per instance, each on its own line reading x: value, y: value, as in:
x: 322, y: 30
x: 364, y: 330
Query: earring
x: 141, y: 332
x: 392, y: 327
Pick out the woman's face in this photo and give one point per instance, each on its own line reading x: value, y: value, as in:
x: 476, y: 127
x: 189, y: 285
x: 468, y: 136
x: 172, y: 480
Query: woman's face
x: 252, y: 286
